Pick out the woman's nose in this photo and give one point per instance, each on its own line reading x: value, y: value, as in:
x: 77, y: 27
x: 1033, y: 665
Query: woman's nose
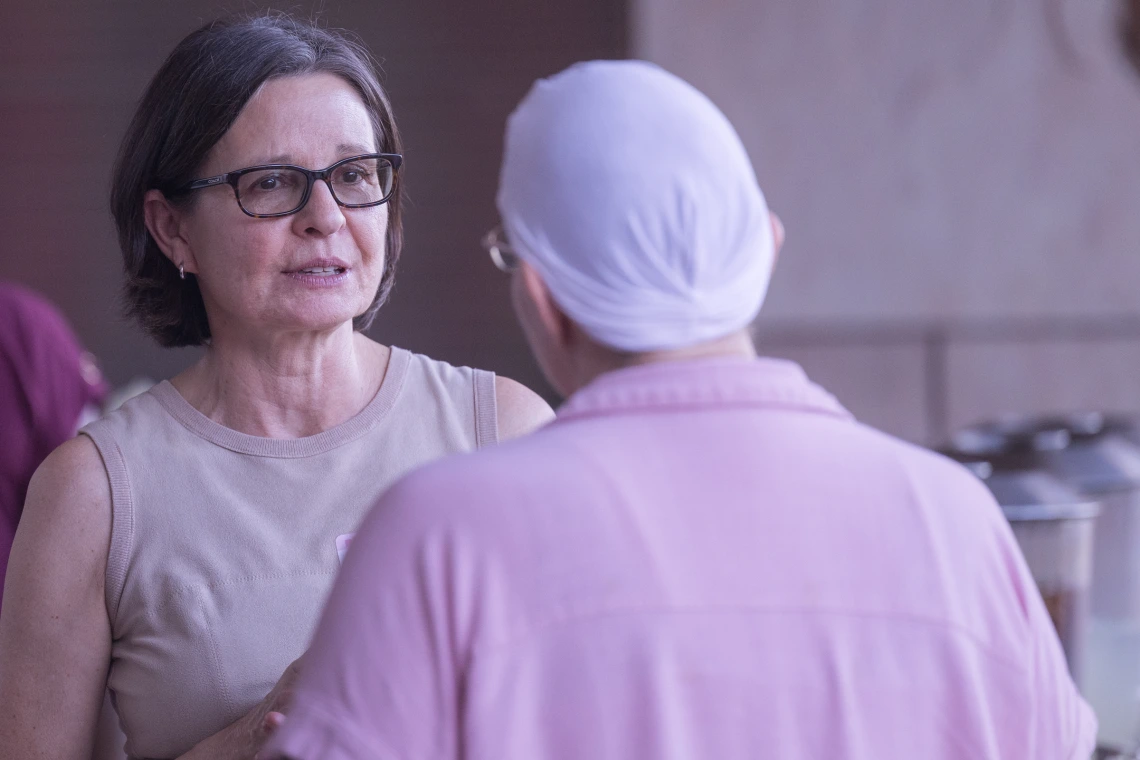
x: 322, y: 215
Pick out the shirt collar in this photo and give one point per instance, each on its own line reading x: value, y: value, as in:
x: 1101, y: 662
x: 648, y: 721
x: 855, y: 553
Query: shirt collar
x: 702, y: 384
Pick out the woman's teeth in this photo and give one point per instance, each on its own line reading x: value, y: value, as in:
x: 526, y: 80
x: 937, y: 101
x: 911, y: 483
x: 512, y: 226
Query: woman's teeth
x: 322, y: 270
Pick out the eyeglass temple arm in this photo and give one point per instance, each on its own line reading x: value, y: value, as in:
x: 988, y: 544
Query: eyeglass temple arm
x: 198, y: 184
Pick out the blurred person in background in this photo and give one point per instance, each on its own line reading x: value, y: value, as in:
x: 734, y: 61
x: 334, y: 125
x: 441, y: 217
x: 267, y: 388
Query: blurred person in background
x: 1130, y: 31
x: 49, y: 388
x: 704, y: 556
x: 181, y: 549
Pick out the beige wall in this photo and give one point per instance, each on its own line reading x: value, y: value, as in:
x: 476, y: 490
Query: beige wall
x: 934, y: 162
x: 71, y: 71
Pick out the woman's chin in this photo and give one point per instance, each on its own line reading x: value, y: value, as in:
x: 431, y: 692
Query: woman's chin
x: 323, y: 314
x: 312, y: 313
x: 314, y: 322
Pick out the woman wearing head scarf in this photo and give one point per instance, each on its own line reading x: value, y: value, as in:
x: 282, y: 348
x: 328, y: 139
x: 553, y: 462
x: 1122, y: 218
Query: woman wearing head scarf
x: 180, y: 550
x: 704, y: 556
x: 48, y: 387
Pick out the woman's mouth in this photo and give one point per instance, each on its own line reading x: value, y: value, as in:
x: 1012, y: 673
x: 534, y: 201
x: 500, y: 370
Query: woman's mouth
x: 321, y: 271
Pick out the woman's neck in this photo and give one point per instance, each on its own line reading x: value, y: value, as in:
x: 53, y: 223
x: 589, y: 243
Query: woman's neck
x: 286, y: 386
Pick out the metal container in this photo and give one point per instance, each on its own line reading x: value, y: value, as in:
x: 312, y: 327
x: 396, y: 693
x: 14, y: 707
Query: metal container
x: 1103, y: 462
x: 1100, y: 457
x: 1052, y: 522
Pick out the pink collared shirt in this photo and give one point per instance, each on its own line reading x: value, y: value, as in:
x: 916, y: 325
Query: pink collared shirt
x: 702, y: 560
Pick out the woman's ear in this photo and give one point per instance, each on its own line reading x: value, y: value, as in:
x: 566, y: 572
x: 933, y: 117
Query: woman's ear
x: 164, y: 222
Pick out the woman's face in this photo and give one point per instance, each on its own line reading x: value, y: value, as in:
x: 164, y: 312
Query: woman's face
x: 313, y: 270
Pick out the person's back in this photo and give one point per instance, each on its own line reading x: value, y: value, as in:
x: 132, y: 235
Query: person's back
x: 704, y: 556
x: 732, y: 567
x: 705, y: 559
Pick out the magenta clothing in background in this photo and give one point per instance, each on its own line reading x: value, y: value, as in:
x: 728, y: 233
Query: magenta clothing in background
x: 697, y: 560
x: 46, y: 380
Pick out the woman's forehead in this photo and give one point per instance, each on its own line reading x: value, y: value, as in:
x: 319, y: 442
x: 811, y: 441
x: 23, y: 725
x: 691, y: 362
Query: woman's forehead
x: 299, y: 119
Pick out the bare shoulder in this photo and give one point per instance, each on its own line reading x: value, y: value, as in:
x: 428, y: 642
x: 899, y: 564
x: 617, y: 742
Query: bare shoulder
x: 75, y: 468
x: 55, y: 635
x: 520, y: 410
x: 69, y: 501
x: 58, y: 563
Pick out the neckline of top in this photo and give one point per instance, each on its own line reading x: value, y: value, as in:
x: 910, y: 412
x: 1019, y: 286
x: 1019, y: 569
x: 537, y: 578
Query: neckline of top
x: 286, y: 448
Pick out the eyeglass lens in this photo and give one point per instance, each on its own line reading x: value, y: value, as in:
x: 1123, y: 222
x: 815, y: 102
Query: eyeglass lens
x: 361, y: 182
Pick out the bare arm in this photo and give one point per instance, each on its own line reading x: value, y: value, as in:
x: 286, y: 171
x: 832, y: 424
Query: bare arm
x: 520, y: 410
x: 55, y: 637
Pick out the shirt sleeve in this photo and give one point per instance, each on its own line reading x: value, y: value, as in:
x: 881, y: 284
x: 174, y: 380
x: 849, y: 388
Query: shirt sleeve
x: 381, y: 677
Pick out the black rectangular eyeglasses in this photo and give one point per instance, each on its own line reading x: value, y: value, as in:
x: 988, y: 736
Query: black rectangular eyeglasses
x: 281, y: 189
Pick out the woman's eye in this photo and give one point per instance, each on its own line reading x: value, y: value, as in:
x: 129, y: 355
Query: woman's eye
x: 269, y: 183
x: 353, y: 175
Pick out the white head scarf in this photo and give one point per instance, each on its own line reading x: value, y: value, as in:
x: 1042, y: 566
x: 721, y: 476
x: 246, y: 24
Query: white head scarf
x: 632, y: 196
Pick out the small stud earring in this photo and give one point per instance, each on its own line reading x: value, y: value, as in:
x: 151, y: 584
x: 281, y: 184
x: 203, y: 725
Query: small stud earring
x: 182, y: 271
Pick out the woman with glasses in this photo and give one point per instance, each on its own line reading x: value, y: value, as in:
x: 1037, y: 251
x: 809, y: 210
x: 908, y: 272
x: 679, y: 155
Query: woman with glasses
x: 180, y: 550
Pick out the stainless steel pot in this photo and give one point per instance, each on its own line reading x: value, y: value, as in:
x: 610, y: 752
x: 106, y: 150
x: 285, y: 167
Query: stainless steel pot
x: 1052, y: 522
x: 1100, y: 457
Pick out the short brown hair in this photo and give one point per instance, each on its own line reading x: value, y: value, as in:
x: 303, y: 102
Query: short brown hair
x: 190, y: 104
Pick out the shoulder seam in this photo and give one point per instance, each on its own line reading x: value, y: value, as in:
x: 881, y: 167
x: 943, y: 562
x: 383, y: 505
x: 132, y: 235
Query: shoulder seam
x: 122, y: 518
x: 486, y: 409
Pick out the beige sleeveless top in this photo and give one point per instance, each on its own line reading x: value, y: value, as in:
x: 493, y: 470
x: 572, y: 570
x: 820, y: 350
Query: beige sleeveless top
x: 224, y: 545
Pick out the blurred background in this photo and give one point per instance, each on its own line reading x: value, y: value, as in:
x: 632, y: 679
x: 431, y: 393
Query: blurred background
x: 959, y: 180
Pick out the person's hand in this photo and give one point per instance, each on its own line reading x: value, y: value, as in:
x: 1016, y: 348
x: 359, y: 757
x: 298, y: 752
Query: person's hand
x: 273, y: 721
x: 244, y: 738
x: 265, y: 718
